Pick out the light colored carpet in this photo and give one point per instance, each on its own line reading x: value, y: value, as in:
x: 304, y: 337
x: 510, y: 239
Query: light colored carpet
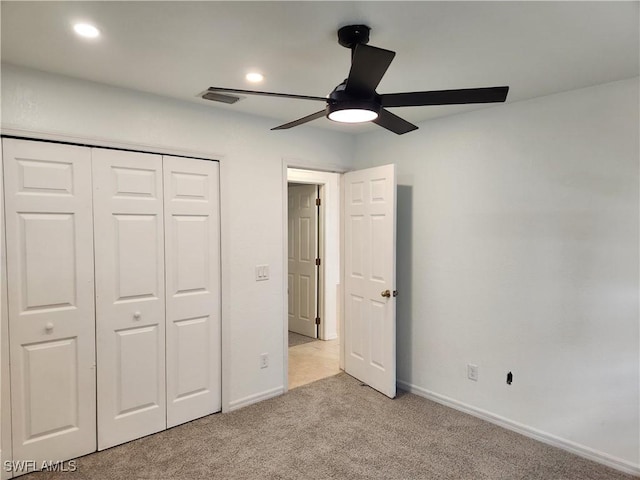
x: 336, y: 429
x: 296, y: 339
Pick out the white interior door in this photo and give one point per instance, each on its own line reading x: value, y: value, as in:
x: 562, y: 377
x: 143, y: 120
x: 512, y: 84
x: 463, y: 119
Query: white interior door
x: 50, y: 272
x: 369, y: 276
x: 303, y: 247
x: 192, y: 256
x: 130, y: 304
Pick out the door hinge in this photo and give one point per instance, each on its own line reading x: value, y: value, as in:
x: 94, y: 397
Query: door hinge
x: 318, y: 262
x: 317, y: 320
x: 318, y: 202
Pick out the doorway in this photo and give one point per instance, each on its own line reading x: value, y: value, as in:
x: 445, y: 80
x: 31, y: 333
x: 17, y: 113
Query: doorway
x: 313, y: 276
x: 366, y: 202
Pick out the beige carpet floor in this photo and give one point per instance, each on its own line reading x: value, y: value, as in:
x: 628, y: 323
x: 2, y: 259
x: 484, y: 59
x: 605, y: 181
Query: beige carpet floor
x: 336, y: 429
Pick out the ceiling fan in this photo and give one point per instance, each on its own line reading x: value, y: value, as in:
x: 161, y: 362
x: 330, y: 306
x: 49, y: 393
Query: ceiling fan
x: 355, y: 100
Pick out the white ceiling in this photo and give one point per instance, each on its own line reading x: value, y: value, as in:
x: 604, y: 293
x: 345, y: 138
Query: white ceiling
x: 178, y: 49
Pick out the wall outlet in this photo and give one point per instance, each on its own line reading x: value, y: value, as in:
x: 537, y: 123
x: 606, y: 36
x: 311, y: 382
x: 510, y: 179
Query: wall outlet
x: 262, y: 272
x: 472, y: 372
x: 264, y: 360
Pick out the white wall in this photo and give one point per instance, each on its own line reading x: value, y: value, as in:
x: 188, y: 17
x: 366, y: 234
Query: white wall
x: 251, y: 193
x: 518, y: 251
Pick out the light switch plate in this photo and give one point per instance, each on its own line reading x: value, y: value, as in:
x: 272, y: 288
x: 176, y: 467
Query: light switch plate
x: 262, y: 272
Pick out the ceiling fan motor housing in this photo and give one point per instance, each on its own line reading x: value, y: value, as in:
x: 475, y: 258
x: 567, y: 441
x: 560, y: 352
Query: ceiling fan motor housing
x: 351, y: 35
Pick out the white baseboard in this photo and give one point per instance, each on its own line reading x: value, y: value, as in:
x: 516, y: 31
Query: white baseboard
x: 255, y: 398
x: 544, y: 437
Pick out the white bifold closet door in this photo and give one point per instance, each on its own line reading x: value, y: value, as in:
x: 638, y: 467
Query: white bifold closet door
x: 130, y: 303
x: 146, y: 335
x: 49, y: 235
x: 192, y: 288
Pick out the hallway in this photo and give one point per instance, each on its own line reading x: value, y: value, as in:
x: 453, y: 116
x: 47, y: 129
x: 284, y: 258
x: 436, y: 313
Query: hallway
x: 311, y: 359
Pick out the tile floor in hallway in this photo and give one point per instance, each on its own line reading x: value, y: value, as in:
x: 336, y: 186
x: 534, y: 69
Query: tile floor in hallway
x: 313, y: 361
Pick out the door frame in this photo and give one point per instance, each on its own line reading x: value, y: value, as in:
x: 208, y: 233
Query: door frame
x: 5, y: 395
x: 330, y: 237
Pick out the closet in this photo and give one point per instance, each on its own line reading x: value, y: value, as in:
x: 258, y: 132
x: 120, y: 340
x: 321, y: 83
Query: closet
x: 112, y: 274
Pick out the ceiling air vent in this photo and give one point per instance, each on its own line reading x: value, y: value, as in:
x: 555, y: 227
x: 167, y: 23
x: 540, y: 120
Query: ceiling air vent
x: 220, y: 97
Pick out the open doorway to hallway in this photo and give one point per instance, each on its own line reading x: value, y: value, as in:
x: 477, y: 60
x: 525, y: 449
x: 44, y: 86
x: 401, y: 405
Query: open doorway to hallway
x: 313, y: 276
x: 311, y: 359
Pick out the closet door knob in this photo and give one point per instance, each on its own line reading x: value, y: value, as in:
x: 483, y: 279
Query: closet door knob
x: 137, y: 315
x: 49, y: 327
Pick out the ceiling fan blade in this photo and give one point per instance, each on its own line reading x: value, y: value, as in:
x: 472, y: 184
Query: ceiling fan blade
x: 302, y: 120
x: 445, y: 97
x: 368, y: 66
x: 266, y: 94
x: 394, y: 123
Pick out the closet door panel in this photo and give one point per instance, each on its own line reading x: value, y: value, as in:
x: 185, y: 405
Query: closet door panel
x: 50, y: 272
x: 192, y: 284
x: 130, y: 301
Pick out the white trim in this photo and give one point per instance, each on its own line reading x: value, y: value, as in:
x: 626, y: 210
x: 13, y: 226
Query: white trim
x: 297, y: 163
x: 340, y: 290
x: 527, y: 431
x: 255, y: 398
x: 6, y: 448
x: 225, y: 275
x: 105, y: 142
x: 285, y: 276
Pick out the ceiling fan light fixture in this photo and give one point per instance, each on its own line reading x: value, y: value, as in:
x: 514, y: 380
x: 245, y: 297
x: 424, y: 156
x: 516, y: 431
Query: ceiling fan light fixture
x: 353, y: 115
x: 353, y: 111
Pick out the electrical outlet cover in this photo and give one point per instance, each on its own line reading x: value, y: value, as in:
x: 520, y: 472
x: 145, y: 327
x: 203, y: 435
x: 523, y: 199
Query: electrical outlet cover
x: 264, y: 360
x: 472, y: 372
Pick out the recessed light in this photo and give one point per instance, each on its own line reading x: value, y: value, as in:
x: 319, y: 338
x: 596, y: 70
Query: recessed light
x: 254, y: 77
x: 86, y: 30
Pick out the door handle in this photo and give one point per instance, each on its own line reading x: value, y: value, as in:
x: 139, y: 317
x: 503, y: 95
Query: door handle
x: 386, y: 294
